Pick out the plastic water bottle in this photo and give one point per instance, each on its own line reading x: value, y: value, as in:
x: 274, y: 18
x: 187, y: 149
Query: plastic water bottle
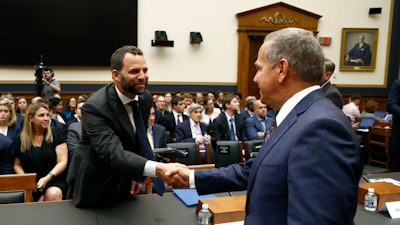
x: 370, y: 200
x: 204, y: 216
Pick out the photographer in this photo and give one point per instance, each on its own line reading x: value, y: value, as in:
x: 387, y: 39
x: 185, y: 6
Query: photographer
x: 51, y: 85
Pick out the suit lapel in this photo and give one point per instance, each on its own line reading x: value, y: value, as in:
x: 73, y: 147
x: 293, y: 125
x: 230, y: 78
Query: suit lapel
x: 119, y: 111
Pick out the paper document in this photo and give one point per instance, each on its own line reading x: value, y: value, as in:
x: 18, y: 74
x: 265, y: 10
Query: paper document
x: 393, y: 209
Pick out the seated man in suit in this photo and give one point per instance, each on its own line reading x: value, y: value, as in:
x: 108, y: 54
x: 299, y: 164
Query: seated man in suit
x: 171, y: 120
x: 158, y: 137
x: 257, y: 125
x: 311, y: 161
x: 193, y: 130
x: 75, y: 130
x: 161, y: 111
x: 229, y: 126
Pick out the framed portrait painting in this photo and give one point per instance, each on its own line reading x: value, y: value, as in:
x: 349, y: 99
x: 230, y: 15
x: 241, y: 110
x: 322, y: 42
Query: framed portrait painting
x: 358, y: 49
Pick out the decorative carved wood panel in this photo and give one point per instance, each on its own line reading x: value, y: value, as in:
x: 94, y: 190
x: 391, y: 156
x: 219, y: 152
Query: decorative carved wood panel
x: 254, y: 25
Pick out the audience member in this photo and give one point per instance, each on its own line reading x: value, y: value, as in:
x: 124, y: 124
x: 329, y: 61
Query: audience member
x: 10, y: 98
x: 188, y: 102
x: 393, y: 107
x: 69, y: 111
x: 168, y: 98
x: 330, y: 90
x: 369, y: 110
x: 219, y: 95
x: 155, y: 132
x: 51, y: 85
x: 37, y: 99
x: 229, y: 126
x: 248, y: 111
x: 176, y: 117
x: 7, y: 155
x: 160, y: 112
x: 312, y: 160
x: 209, y: 114
x: 193, y: 130
x: 82, y: 98
x: 351, y: 109
x: 155, y: 97
x: 22, y: 103
x: 8, y: 120
x: 257, y: 125
x: 199, y: 98
x: 42, y: 150
x: 56, y: 107
x: 75, y: 130
x: 210, y: 95
x: 114, y: 154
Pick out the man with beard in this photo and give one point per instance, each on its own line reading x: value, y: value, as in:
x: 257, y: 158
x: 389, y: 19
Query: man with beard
x: 113, y: 157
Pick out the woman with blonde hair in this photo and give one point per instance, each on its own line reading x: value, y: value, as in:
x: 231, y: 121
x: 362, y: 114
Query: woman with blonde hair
x: 8, y: 120
x: 42, y: 150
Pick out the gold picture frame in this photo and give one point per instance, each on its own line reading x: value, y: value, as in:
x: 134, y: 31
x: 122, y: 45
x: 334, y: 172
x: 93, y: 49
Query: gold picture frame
x: 356, y: 57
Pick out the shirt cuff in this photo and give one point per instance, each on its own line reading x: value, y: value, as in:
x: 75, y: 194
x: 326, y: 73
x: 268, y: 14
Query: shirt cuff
x: 191, y: 179
x: 150, y: 168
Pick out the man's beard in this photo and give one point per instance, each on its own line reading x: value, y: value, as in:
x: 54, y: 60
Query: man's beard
x: 131, y: 88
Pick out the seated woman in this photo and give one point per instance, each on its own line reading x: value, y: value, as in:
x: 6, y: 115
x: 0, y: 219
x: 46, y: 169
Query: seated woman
x: 42, y: 150
x: 370, y: 108
x: 69, y: 111
x: 7, y: 155
x: 209, y: 114
x: 8, y: 120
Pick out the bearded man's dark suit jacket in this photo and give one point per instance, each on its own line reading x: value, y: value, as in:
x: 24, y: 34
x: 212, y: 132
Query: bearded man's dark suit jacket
x: 221, y: 128
x: 309, y: 165
x: 109, y: 156
x: 331, y: 92
x: 183, y: 132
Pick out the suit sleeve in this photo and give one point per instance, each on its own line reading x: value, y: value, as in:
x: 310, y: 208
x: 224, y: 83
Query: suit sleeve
x: 106, y: 136
x: 72, y: 140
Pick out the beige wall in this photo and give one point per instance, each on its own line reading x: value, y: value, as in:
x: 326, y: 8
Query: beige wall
x: 215, y: 59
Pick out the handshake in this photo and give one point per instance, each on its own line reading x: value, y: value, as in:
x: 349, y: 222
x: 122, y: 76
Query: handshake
x: 176, y: 175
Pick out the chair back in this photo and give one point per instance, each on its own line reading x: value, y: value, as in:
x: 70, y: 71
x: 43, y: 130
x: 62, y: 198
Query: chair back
x: 17, y: 188
x: 192, y: 149
x: 252, y: 148
x: 379, y: 145
x: 228, y: 152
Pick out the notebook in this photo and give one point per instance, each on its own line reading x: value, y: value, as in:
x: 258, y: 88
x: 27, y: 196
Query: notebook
x: 366, y: 122
x: 380, y: 113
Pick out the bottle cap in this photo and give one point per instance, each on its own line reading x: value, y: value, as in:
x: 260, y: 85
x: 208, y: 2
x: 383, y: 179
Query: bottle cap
x: 204, y: 206
x: 371, y: 190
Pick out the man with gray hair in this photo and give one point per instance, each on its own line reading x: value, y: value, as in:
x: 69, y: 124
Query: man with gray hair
x: 307, y: 172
